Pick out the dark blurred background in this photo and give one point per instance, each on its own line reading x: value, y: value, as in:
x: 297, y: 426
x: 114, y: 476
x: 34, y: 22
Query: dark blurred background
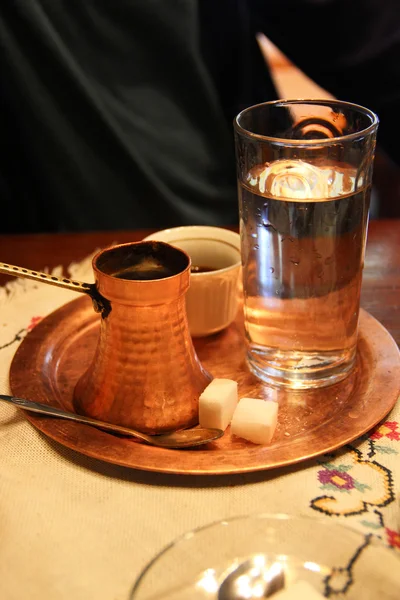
x: 291, y: 82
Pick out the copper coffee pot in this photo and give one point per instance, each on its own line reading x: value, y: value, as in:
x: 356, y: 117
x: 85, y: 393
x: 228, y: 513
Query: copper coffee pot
x: 145, y: 373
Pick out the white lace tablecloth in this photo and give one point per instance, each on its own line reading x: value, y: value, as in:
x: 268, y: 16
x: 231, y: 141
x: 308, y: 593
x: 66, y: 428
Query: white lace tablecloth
x: 72, y: 527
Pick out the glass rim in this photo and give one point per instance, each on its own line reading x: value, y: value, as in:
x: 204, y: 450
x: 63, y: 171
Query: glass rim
x: 313, y: 142
x: 255, y: 516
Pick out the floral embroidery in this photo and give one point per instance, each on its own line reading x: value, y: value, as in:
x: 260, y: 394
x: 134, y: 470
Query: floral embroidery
x: 354, y: 486
x: 336, y: 478
x: 389, y: 429
x: 342, y: 481
x: 33, y: 322
x: 341, y: 578
x: 393, y: 537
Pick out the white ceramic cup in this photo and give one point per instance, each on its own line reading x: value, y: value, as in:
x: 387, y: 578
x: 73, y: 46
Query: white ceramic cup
x: 212, y: 299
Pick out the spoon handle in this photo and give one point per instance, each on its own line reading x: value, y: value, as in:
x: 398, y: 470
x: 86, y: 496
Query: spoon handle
x: 45, y: 409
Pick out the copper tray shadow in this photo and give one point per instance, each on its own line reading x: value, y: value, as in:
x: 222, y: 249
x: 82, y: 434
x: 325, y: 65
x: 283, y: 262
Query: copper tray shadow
x: 53, y: 356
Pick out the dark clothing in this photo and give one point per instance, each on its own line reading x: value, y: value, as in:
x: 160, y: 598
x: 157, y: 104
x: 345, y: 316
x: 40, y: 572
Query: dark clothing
x: 118, y: 113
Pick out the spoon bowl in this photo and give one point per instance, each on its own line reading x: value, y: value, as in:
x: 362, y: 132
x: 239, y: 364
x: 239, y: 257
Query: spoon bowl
x: 256, y: 577
x: 185, y: 438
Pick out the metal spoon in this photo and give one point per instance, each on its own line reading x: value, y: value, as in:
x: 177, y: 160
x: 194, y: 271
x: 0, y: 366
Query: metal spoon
x: 254, y: 578
x: 185, y: 438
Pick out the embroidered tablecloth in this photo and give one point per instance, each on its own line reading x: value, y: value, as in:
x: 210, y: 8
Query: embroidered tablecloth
x: 74, y: 527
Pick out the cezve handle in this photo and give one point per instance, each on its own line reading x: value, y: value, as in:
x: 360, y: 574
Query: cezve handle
x: 100, y: 304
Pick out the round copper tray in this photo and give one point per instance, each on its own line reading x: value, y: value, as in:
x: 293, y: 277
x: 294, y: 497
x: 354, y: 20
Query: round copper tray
x: 52, y: 357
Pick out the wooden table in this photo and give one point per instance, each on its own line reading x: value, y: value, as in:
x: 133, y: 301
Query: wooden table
x: 381, y: 285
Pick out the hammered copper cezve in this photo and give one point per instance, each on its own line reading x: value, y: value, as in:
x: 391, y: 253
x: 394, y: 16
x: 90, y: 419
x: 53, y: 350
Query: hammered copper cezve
x: 145, y: 373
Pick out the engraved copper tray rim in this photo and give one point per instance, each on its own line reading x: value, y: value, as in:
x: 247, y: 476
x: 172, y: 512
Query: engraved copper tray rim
x: 53, y: 354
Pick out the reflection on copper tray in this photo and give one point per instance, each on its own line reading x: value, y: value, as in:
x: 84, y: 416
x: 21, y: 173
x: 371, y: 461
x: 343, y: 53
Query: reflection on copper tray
x: 54, y: 355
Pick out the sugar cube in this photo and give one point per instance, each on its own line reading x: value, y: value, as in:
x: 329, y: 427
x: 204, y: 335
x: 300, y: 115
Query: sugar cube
x: 255, y: 420
x: 300, y: 590
x: 217, y: 403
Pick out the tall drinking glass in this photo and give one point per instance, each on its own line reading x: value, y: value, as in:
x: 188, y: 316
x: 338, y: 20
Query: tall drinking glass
x: 304, y: 178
